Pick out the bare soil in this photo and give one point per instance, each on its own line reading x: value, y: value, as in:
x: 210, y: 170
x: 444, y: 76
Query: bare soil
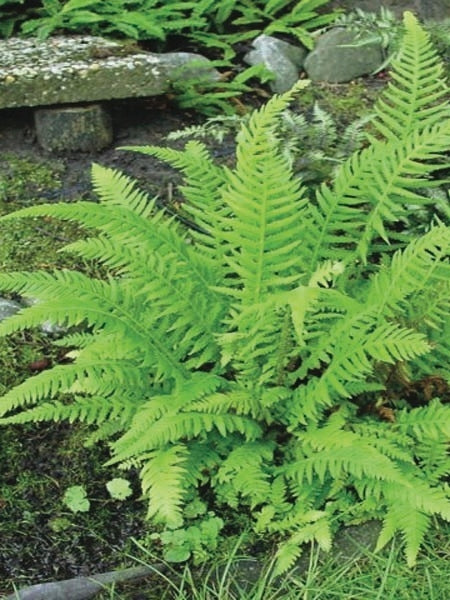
x: 135, y: 122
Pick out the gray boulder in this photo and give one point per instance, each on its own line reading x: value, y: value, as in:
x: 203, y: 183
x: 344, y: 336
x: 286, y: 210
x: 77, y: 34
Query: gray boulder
x: 334, y: 60
x: 8, y: 308
x: 284, y: 60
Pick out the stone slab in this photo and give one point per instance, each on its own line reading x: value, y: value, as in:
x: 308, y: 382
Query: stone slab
x: 72, y: 69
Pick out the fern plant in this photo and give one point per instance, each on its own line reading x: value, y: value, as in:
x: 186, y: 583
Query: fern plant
x: 312, y: 145
x: 370, y: 28
x: 235, y: 21
x: 203, y: 20
x: 265, y: 359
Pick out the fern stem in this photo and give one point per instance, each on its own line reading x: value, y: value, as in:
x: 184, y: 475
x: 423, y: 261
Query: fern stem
x: 284, y: 347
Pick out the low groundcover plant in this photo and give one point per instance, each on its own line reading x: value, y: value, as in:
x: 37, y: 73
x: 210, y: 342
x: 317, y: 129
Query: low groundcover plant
x: 265, y: 358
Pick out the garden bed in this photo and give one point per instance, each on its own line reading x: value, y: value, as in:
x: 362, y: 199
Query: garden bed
x: 41, y: 538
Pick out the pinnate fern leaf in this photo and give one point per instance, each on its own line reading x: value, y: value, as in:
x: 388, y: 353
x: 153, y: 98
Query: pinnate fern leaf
x: 163, y: 481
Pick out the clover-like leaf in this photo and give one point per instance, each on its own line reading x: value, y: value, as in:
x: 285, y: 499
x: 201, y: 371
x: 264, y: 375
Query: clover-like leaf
x: 119, y: 488
x: 75, y: 498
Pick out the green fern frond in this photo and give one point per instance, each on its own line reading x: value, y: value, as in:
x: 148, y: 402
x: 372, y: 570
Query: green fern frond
x: 290, y: 550
x: 344, y: 455
x: 263, y: 235
x: 372, y: 190
x: 286, y: 556
x: 386, y: 173
x: 410, y: 271
x: 156, y: 234
x: 414, y: 97
x: 432, y: 455
x: 71, y: 378
x: 348, y: 354
x: 169, y: 290
x: 393, y: 172
x: 185, y: 425
x: 163, y: 478
x: 431, y: 306
x: 81, y: 299
x: 430, y: 422
x: 78, y: 339
x: 409, y: 512
x: 92, y: 411
x: 414, y: 526
x: 264, y: 232
x: 203, y: 182
x: 391, y: 343
x: 239, y: 401
x: 244, y: 469
x: 117, y: 188
x: 44, y: 385
x: 186, y: 395
x: 390, y: 525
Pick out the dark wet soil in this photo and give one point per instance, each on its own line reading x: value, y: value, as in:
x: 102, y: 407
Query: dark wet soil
x: 48, y: 541
x: 135, y: 122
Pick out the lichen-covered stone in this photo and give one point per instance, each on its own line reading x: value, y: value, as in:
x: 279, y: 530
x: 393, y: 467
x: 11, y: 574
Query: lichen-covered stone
x: 73, y: 128
x: 70, y: 69
x: 338, y: 58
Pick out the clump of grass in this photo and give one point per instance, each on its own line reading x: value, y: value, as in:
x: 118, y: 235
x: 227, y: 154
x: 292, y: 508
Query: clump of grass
x: 368, y: 576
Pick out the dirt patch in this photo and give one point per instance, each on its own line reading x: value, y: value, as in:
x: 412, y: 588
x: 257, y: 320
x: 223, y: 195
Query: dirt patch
x: 135, y: 123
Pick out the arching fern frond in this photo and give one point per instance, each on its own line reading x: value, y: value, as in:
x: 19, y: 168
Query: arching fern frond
x: 163, y: 478
x: 427, y: 422
x: 244, y: 469
x: 181, y: 426
x: 414, y: 96
x: 202, y: 189
x: 409, y: 511
x: 411, y: 271
x: 372, y: 190
x: 319, y: 530
x: 90, y: 410
x: 119, y: 189
x: 264, y: 233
